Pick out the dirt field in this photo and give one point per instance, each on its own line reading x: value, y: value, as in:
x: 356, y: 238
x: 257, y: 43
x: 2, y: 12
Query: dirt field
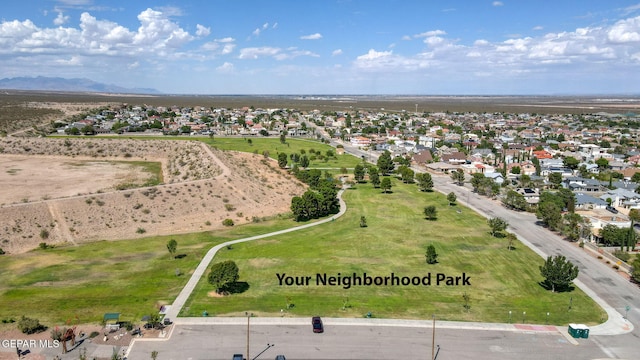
x: 33, y: 176
x: 62, y: 190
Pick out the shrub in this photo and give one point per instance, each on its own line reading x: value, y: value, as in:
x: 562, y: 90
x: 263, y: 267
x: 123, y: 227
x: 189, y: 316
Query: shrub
x: 2, y: 251
x: 30, y: 326
x: 44, y: 234
x: 227, y: 222
x: 141, y: 230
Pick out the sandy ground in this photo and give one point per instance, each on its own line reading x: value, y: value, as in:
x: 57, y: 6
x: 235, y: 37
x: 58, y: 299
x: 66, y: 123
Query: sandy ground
x: 62, y: 190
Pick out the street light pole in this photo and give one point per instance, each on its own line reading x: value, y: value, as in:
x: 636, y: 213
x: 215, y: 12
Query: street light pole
x: 433, y: 338
x: 248, y: 317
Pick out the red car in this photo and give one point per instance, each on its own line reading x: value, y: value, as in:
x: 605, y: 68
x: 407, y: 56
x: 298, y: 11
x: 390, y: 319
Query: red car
x: 317, y: 324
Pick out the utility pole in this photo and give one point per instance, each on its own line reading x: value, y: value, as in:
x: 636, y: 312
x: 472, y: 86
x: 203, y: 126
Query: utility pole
x: 248, y: 317
x: 433, y: 338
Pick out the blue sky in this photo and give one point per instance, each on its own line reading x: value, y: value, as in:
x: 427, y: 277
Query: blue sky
x: 424, y: 47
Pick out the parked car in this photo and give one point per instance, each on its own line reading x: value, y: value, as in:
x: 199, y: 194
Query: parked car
x: 316, y: 322
x: 238, y: 357
x: 280, y: 357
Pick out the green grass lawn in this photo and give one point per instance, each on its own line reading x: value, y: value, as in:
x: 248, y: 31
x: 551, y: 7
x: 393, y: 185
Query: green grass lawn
x: 395, y: 241
x: 273, y: 145
x: 133, y: 277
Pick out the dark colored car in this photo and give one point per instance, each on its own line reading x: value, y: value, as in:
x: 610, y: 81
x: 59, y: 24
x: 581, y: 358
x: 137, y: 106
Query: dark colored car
x: 280, y: 357
x: 238, y: 357
x: 317, y: 324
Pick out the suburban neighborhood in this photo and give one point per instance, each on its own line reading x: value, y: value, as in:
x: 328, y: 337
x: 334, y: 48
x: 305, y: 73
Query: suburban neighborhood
x: 595, y: 156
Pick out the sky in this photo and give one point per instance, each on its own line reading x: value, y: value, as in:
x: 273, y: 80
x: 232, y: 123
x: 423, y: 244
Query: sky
x: 370, y: 47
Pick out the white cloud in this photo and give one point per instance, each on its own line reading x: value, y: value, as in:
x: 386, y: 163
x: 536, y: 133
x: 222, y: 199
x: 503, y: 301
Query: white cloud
x: 202, y: 31
x: 315, y: 36
x: 497, y: 3
x: 430, y: 33
x: 625, y: 31
x: 336, y: 52
x: 538, y: 28
x: 257, y: 52
x: 61, y: 19
x: 226, y: 68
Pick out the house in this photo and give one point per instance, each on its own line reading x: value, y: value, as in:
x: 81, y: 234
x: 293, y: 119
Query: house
x: 496, y: 177
x: 622, y: 198
x: 455, y: 157
x: 423, y: 157
x: 531, y: 196
x: 580, y: 184
x: 542, y: 154
x: 359, y: 141
x: 588, y: 202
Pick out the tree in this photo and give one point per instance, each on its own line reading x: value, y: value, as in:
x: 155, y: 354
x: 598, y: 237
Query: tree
x: 431, y: 255
x: 223, y: 274
x: 282, y: 160
x: 384, y: 163
x: 425, y: 181
x: 172, y: 246
x: 430, y: 212
x: 514, y: 200
x: 283, y: 138
x: 406, y: 174
x: 72, y: 131
x: 358, y: 172
x: 636, y: 177
x: 87, y: 130
x: 458, y: 177
x: 385, y: 184
x: 613, y: 235
x: 571, y: 162
x: 602, y: 163
x: 635, y: 272
x: 558, y: 272
x: 497, y: 225
x: 363, y: 221
x: 572, y: 222
x: 476, y: 181
x: 374, y: 176
x: 555, y: 178
x: 634, y: 216
x: 304, y: 161
x: 550, y: 214
x: 451, y: 197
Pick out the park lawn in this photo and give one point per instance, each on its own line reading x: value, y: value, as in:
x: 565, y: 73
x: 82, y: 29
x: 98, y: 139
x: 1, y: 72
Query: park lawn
x: 273, y: 146
x: 395, y: 241
x: 132, y: 277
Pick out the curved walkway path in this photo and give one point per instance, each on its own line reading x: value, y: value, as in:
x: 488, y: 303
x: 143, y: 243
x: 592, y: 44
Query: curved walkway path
x: 182, y: 298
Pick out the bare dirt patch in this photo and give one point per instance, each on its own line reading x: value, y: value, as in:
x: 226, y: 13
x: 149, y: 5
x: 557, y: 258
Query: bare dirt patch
x: 34, y: 175
x: 201, y: 188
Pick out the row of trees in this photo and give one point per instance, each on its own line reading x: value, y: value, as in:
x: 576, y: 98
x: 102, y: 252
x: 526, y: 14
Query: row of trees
x: 320, y: 200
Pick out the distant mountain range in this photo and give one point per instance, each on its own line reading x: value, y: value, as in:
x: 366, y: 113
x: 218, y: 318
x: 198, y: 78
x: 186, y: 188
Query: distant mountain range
x: 71, y: 85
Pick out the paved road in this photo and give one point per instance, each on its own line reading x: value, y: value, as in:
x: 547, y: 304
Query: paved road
x: 601, y: 282
x: 364, y: 342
